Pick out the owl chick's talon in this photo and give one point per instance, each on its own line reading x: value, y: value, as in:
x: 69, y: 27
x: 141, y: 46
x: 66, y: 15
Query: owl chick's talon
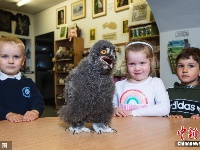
x: 99, y: 132
x: 114, y: 130
x: 100, y: 128
x: 73, y: 132
x: 77, y: 130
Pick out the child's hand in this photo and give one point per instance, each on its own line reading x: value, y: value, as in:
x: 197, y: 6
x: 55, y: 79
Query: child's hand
x: 30, y: 115
x: 195, y: 116
x: 119, y: 112
x: 175, y: 116
x: 13, y: 117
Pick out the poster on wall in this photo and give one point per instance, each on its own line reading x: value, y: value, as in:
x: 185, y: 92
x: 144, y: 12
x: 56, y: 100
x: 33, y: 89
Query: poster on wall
x: 22, y: 24
x: 139, y: 13
x: 92, y: 33
x: 174, y: 48
x: 6, y: 19
x: 110, y: 36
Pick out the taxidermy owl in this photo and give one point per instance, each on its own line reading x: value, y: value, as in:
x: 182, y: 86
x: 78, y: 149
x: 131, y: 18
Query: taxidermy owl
x: 89, y: 90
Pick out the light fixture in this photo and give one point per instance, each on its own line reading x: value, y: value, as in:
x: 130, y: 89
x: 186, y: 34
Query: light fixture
x: 22, y: 2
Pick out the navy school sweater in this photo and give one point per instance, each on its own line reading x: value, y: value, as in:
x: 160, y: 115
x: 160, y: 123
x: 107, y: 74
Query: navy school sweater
x: 19, y: 96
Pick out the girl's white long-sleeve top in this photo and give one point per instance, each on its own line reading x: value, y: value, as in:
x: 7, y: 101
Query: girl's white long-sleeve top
x: 148, y: 98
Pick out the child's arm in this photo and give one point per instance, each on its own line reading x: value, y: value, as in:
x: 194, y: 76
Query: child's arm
x: 180, y: 116
x: 195, y: 116
x: 119, y: 112
x: 13, y: 117
x: 37, y: 101
x: 7, y: 115
x: 175, y: 116
x: 30, y: 115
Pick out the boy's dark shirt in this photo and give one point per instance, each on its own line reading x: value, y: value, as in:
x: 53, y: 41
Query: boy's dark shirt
x: 184, y: 100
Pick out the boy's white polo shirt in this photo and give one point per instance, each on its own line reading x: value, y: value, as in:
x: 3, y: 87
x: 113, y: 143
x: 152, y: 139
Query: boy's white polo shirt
x: 4, y: 76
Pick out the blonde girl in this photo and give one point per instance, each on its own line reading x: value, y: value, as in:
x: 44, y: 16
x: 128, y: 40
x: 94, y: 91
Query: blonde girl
x: 140, y: 94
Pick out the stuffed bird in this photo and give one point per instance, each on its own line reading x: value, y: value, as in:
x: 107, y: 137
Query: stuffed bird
x: 89, y: 90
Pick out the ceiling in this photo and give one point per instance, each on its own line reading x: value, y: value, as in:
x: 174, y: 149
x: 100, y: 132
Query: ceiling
x: 33, y: 7
x: 175, y: 14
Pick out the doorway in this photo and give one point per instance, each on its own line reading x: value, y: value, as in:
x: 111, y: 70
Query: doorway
x: 44, y: 52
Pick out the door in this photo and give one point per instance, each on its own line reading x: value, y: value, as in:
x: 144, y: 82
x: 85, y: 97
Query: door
x: 44, y: 53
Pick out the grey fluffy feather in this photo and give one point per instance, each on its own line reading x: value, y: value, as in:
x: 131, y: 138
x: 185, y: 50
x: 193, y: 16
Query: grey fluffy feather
x: 89, y: 88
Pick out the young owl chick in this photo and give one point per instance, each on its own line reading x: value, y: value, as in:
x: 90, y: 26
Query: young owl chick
x: 89, y: 90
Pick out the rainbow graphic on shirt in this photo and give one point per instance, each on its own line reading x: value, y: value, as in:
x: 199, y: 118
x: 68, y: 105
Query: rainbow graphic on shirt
x: 133, y: 99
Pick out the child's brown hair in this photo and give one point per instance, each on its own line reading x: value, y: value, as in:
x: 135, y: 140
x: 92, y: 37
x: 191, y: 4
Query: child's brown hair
x: 187, y: 52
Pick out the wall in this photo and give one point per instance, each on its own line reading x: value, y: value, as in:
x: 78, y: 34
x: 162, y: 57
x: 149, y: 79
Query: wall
x: 165, y: 71
x: 172, y: 16
x: 30, y: 40
x: 45, y: 21
x: 182, y: 15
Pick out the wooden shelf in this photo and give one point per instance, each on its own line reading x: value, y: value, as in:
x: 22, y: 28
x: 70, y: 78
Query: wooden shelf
x: 60, y: 84
x: 77, y: 44
x: 146, y: 37
x: 67, y: 59
x: 62, y: 72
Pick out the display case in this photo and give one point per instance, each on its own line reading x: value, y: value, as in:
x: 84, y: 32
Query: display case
x: 62, y: 65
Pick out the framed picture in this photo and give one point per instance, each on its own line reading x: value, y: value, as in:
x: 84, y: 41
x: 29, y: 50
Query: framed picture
x: 60, y: 16
x: 78, y: 10
x: 125, y: 26
x: 98, y: 8
x: 63, y: 32
x: 92, y: 33
x: 139, y: 13
x: 121, y: 5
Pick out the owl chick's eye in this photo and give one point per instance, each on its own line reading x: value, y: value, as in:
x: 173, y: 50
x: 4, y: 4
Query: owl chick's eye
x: 103, y: 51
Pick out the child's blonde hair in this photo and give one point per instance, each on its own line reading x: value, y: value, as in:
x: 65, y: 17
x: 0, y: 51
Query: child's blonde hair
x: 141, y: 46
x: 13, y: 40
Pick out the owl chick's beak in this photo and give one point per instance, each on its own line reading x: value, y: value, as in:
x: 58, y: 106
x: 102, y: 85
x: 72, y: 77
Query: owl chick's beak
x: 107, y: 61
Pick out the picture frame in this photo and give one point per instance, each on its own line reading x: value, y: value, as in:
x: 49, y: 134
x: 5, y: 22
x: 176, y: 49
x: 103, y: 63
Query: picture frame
x: 139, y: 13
x: 92, y: 33
x: 78, y: 10
x: 99, y: 8
x: 61, y: 16
x: 125, y: 29
x: 63, y: 32
x: 121, y: 5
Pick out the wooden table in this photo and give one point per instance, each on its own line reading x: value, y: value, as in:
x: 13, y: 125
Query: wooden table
x: 142, y: 133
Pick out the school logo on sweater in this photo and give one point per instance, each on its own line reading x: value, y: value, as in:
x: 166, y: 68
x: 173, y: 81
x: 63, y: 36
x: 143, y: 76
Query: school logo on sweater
x: 26, y: 92
x: 133, y: 99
